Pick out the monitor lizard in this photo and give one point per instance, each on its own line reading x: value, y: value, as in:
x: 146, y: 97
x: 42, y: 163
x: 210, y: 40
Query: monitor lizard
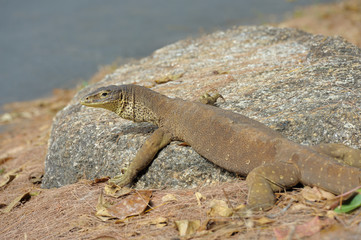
x: 232, y: 141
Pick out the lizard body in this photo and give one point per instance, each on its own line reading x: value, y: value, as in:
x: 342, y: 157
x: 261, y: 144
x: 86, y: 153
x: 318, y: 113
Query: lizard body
x: 230, y: 140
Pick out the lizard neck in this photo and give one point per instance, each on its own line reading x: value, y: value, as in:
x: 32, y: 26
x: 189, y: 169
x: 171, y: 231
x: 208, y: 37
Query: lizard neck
x: 140, y: 104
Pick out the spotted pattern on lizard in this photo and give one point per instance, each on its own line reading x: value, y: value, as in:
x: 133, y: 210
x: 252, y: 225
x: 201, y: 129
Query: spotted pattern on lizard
x: 231, y: 141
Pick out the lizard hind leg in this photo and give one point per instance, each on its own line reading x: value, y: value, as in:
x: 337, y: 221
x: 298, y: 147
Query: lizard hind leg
x: 266, y: 179
x: 340, y: 153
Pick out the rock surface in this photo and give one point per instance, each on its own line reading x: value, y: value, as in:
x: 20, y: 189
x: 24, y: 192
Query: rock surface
x: 305, y: 86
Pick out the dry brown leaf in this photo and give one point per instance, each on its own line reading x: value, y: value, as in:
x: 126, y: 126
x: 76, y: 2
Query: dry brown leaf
x: 219, y: 228
x: 199, y: 197
x: 298, y: 207
x: 187, y: 227
x: 100, y: 180
x: 169, y: 198
x: 159, y: 222
x: 116, y: 191
x: 102, y: 209
x: 240, y: 207
x: 326, y: 195
x: 304, y: 230
x: 331, y: 214
x: 215, y: 224
x: 227, y: 231
x: 133, y: 204
x: 20, y: 199
x: 219, y: 208
x: 311, y: 194
x: 4, y: 157
x: 316, y: 194
x: 263, y: 220
x: 217, y: 72
x: 36, y: 177
x: 10, y: 176
x: 183, y: 144
x: 105, y: 238
x: 8, y: 179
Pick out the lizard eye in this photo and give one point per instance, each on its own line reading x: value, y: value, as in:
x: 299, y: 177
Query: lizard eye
x: 104, y: 94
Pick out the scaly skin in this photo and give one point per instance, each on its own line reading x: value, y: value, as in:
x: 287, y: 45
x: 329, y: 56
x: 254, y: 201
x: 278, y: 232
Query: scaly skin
x: 232, y: 141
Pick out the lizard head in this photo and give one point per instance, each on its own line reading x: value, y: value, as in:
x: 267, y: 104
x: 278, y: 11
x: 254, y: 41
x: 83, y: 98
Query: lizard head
x: 128, y: 101
x: 105, y: 97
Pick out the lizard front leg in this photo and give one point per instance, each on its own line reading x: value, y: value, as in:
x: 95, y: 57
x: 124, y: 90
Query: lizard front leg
x: 158, y: 140
x: 341, y: 153
x: 266, y: 179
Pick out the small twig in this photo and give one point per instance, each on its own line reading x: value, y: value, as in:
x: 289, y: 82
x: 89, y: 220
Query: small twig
x: 341, y: 196
x: 349, y: 192
x: 272, y: 216
x: 227, y: 198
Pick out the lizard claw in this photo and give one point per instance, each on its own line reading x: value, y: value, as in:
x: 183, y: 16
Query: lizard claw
x: 210, y: 100
x: 120, y: 180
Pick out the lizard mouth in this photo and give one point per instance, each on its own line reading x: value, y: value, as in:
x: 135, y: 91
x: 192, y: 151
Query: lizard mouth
x: 91, y: 102
x: 86, y: 101
x: 96, y: 102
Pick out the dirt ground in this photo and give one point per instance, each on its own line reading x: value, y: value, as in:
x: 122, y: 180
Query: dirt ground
x: 69, y: 212
x: 342, y: 19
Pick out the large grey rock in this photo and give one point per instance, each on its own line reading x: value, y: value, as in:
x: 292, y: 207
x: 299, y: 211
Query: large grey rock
x: 306, y: 86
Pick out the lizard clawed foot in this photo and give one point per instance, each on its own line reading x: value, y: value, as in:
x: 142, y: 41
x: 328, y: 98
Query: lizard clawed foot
x: 210, y: 100
x: 121, y: 180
